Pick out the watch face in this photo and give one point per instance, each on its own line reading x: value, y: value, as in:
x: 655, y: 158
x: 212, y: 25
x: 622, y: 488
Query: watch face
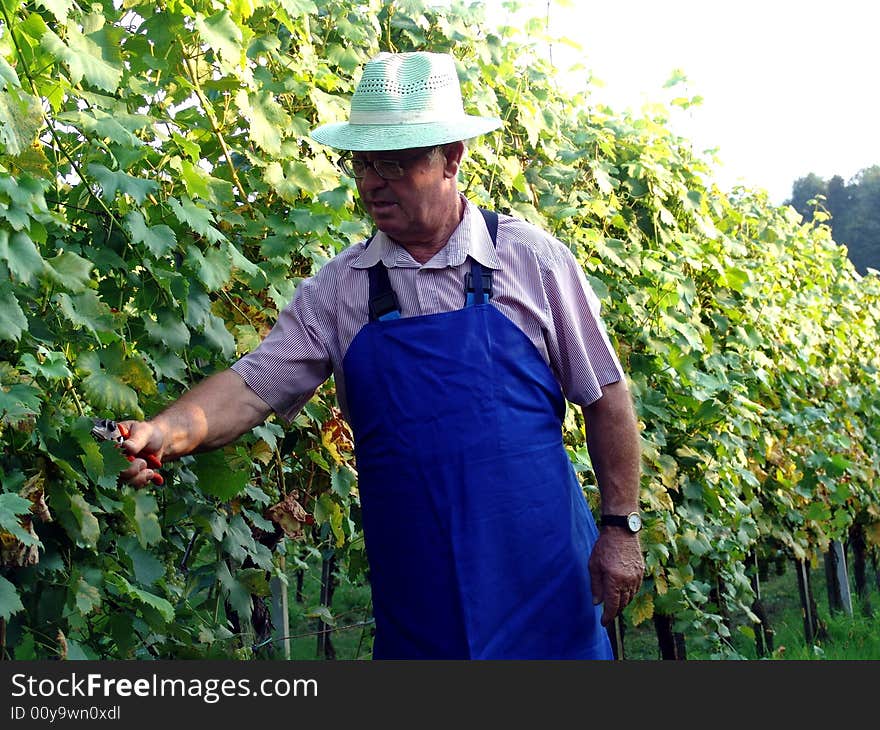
x: 634, y: 521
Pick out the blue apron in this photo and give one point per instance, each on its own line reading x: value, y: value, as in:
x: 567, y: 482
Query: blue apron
x: 476, y: 529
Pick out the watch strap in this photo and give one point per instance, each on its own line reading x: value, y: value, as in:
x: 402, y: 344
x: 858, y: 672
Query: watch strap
x: 620, y: 521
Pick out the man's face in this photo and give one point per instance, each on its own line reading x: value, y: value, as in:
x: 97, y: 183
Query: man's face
x: 413, y: 208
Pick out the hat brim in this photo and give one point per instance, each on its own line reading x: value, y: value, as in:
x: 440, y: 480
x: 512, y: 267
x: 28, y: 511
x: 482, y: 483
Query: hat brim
x: 379, y: 137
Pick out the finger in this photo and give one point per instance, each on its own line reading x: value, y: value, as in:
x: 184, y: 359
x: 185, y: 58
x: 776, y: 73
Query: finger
x: 134, y: 471
x: 140, y: 473
x: 135, y: 438
x: 611, y: 608
x: 596, y: 584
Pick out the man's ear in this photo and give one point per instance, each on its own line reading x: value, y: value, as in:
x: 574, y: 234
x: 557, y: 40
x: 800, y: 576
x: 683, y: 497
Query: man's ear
x: 453, y: 152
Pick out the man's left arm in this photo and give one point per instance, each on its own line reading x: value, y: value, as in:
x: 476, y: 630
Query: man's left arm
x: 616, y: 563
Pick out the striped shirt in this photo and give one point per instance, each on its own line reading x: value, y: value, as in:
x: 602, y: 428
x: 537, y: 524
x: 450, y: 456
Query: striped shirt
x: 537, y: 284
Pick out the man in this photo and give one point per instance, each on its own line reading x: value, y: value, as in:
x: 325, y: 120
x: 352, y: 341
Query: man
x: 455, y: 336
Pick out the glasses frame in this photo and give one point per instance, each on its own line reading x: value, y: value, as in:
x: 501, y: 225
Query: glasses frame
x: 386, y: 169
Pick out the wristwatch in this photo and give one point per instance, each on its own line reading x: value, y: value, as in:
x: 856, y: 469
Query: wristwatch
x: 632, y: 521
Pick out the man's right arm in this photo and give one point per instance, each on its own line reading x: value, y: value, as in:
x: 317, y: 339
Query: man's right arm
x: 212, y: 414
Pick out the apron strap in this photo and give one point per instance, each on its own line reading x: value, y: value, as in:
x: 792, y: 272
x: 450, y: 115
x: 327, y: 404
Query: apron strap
x: 383, y: 300
x: 478, y: 283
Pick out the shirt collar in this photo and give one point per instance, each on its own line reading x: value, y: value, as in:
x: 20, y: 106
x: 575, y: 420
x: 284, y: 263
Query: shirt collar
x: 470, y: 238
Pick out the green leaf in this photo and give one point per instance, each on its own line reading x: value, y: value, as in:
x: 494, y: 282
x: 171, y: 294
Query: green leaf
x: 147, y: 567
x: 20, y: 400
x: 323, y: 613
x: 818, y: 511
x: 12, y: 319
x: 12, y: 508
x: 342, y: 480
x: 158, y: 239
x: 196, y: 180
x: 21, y: 256
x: 8, y: 75
x: 236, y: 593
x: 267, y: 117
x: 69, y: 270
x: 212, y: 268
x: 89, y: 528
x: 94, y: 58
x: 51, y: 365
x: 113, y: 180
x: 197, y: 217
x: 696, y: 542
x: 218, y: 336
x: 169, y: 329
x: 164, y: 608
x: 86, y: 597
x: 299, y: 7
x: 59, y: 8
x: 254, y: 581
x: 216, y: 477
x: 85, y: 310
x: 108, y: 126
x: 222, y: 34
x: 10, y: 603
x: 291, y: 179
x: 143, y: 512
x: 109, y: 393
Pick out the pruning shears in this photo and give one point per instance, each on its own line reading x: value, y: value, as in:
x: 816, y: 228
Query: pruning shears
x: 105, y: 429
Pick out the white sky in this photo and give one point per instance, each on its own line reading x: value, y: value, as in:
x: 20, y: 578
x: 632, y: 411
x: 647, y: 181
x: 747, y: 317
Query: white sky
x: 789, y: 87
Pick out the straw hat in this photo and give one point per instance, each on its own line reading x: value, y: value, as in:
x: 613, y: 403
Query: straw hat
x: 405, y: 100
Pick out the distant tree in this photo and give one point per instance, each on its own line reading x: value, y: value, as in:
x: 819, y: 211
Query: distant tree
x: 854, y: 208
x: 803, y: 191
x: 862, y: 230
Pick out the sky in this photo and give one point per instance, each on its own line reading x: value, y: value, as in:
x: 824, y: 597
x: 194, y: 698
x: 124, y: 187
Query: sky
x: 788, y: 87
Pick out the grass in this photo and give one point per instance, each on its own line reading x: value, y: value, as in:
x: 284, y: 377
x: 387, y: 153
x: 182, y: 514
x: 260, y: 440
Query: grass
x: 842, y: 637
x: 349, y: 611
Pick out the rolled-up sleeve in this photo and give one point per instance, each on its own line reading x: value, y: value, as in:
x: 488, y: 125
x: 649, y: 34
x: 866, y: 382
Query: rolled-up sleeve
x: 293, y: 360
x: 578, y: 345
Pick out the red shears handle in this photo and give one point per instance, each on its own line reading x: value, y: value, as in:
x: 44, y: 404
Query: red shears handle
x: 151, y: 459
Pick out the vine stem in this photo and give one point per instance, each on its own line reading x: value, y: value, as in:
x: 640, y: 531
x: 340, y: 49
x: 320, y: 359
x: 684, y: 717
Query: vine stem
x: 215, y: 127
x: 499, y: 137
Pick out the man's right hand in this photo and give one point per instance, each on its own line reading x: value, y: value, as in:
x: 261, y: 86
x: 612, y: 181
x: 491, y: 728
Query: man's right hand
x: 145, y: 442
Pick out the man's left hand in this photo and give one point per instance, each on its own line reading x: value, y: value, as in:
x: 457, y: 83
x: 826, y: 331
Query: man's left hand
x: 616, y: 570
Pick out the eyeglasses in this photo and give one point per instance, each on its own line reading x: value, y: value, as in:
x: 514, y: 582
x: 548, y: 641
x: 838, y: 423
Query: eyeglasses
x: 356, y: 167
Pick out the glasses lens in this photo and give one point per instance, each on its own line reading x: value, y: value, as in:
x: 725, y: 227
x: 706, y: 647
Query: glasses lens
x: 349, y: 166
x: 389, y: 169
x: 356, y: 167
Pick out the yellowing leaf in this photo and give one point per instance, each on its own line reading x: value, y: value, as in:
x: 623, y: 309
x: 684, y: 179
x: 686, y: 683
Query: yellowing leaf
x: 641, y: 609
x: 21, y: 118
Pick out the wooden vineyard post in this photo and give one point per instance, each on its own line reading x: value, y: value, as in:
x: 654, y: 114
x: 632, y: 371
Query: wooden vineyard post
x: 837, y: 578
x: 763, y: 631
x: 671, y: 643
x: 615, y: 633
x: 858, y: 546
x: 807, y: 605
x: 325, y: 643
x: 280, y: 612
